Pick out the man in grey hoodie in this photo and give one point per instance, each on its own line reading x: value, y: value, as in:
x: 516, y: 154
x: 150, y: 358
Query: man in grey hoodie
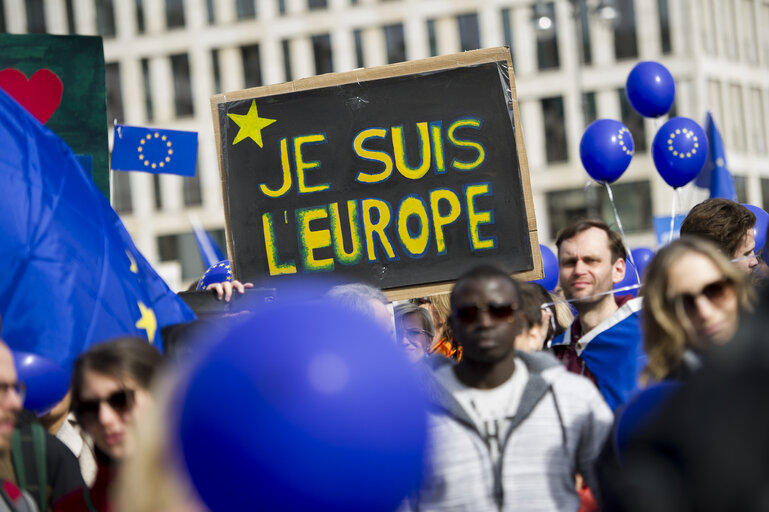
x: 509, y: 430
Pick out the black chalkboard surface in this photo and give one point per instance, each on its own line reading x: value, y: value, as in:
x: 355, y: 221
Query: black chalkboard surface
x: 402, y: 176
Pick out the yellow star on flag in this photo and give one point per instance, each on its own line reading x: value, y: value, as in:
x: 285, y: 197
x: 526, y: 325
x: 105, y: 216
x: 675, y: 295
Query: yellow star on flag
x: 148, y: 322
x: 251, y: 125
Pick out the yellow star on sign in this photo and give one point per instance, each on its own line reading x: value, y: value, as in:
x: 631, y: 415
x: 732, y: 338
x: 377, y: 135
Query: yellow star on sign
x: 251, y: 125
x: 148, y: 322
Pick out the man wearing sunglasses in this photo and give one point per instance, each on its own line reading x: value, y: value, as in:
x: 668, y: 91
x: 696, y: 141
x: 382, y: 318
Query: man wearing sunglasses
x: 509, y: 429
x: 603, y: 342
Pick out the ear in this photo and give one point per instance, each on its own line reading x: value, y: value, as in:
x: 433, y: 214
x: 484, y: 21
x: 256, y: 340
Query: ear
x: 618, y: 271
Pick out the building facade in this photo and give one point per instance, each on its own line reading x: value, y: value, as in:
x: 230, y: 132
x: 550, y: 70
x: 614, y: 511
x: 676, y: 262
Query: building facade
x: 165, y: 58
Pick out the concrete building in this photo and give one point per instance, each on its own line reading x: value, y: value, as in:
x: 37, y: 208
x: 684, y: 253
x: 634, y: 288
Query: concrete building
x: 165, y: 58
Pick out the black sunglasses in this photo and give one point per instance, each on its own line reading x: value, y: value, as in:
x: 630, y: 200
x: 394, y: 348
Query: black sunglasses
x: 470, y: 314
x: 715, y: 292
x: 120, y: 401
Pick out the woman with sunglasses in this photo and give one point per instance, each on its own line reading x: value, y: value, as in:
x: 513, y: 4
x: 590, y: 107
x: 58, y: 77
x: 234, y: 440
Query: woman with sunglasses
x: 110, y: 390
x: 693, y: 299
x: 414, y: 330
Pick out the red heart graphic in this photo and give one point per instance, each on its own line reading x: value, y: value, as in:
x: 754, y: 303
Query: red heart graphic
x: 40, y: 95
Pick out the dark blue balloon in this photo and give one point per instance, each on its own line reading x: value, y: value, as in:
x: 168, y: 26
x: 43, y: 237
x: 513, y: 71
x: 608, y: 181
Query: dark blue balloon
x: 550, y: 268
x: 762, y: 223
x: 304, y: 407
x: 639, y: 411
x: 679, y: 150
x: 650, y: 89
x: 47, y: 382
x: 606, y: 149
x: 628, y: 280
x: 642, y: 256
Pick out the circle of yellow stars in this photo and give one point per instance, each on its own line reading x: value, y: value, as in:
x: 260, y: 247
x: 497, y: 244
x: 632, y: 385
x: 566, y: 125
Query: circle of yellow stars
x: 624, y: 143
x: 221, y: 264
x: 683, y: 134
x: 162, y: 139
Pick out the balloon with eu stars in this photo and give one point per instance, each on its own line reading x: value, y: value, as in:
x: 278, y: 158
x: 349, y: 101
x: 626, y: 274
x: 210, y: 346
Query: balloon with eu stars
x: 650, y: 89
x: 606, y: 149
x: 217, y: 273
x: 679, y: 151
x: 311, y: 407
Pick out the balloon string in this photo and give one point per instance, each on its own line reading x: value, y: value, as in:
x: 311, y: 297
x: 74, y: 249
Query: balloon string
x: 591, y: 297
x: 622, y: 231
x: 673, y: 216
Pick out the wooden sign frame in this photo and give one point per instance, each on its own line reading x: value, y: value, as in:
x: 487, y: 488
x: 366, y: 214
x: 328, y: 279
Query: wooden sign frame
x: 500, y: 56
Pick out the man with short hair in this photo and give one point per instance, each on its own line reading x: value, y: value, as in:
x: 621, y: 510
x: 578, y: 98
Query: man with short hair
x: 509, y: 430
x: 729, y: 225
x: 604, y: 341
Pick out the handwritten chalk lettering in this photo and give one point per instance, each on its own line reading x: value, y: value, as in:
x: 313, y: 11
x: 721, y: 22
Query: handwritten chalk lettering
x: 301, y: 166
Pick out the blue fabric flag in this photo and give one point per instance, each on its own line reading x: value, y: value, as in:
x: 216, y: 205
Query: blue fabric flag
x: 714, y: 175
x: 71, y: 274
x: 209, y: 249
x: 152, y: 150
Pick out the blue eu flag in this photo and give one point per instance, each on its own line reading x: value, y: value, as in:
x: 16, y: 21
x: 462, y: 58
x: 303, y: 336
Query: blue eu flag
x: 71, y: 275
x: 714, y: 174
x: 149, y: 149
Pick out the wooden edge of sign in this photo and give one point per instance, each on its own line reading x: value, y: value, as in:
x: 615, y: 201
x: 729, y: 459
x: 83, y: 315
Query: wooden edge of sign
x: 223, y: 183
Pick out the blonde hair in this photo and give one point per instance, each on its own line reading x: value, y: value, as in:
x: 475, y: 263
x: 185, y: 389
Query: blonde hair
x: 665, y: 337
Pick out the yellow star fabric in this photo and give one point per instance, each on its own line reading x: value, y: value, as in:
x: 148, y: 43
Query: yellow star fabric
x: 148, y: 322
x: 251, y: 125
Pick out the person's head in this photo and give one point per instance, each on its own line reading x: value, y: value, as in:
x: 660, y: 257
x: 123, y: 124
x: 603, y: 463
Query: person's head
x: 727, y: 224
x: 366, y: 300
x: 11, y: 397
x: 440, y: 310
x: 414, y: 329
x: 693, y: 297
x: 540, y: 322
x: 591, y: 259
x: 486, y: 315
x: 110, y: 389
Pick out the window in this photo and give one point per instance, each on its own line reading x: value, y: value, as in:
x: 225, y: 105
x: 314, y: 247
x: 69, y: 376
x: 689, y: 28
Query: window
x: 634, y: 122
x: 174, y: 13
x: 432, y: 37
x: 665, y: 41
x: 252, y: 69
x: 168, y: 249
x: 114, y: 94
x: 281, y: 6
x: 105, y: 18
x: 157, y: 191
x: 728, y: 20
x: 180, y: 66
x: 589, y: 107
x: 625, y: 41
x: 586, y: 53
x: 737, y: 115
x: 739, y: 185
x: 707, y: 11
x: 714, y: 100
x: 121, y: 192
x: 564, y: 206
x: 507, y: 30
x: 70, y: 7
x: 140, y: 28
x: 358, y: 38
x: 765, y: 23
x: 146, y: 79
x: 321, y: 49
x: 317, y: 4
x: 759, y: 123
x: 182, y: 247
x: 217, y: 73
x: 469, y: 34
x: 555, y: 129
x: 245, y: 9
x: 286, y: 46
x: 35, y: 16
x: 765, y: 192
x: 210, y: 11
x: 750, y: 41
x: 396, y: 45
x: 547, y: 39
x: 191, y: 189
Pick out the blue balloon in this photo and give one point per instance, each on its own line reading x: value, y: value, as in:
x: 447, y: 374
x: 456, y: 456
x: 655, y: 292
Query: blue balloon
x: 47, y: 382
x: 650, y: 89
x: 218, y: 273
x: 550, y: 268
x: 628, y: 280
x: 679, y: 150
x: 639, y: 410
x: 606, y: 149
x: 642, y: 256
x: 303, y: 407
x: 762, y: 223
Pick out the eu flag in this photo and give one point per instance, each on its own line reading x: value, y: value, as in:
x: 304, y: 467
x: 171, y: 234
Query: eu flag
x: 71, y: 275
x: 714, y: 174
x: 149, y: 149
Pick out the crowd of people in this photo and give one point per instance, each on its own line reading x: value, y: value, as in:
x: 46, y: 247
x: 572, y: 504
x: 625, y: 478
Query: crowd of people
x: 537, y: 400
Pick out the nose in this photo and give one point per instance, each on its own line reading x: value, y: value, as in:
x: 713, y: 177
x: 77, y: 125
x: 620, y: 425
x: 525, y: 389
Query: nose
x: 752, y: 261
x: 579, y: 267
x: 14, y: 401
x: 107, y: 415
x: 705, y: 309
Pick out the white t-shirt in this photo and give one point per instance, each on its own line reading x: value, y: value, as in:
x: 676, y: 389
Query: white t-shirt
x: 491, y: 410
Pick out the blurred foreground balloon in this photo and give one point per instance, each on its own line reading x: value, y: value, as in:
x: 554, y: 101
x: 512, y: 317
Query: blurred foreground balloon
x: 303, y: 407
x: 549, y: 267
x: 650, y: 89
x: 46, y: 381
x: 679, y: 150
x: 642, y: 256
x: 606, y: 149
x: 640, y: 410
x: 762, y: 223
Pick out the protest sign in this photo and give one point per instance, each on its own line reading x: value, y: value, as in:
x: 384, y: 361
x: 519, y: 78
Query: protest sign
x: 401, y: 176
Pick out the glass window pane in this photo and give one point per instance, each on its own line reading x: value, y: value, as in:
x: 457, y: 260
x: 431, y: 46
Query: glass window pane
x: 147, y: 89
x: 191, y: 189
x: 105, y: 18
x: 555, y: 129
x: 432, y: 37
x: 121, y: 192
x: 547, y: 36
x: 180, y: 65
x: 252, y: 67
x: 69, y: 5
x: 625, y: 40
x: 317, y: 4
x: 358, y: 38
x: 742, y: 192
x: 469, y: 33
x: 140, y: 16
x: 759, y: 123
x: 395, y: 43
x: 189, y: 257
x: 507, y: 30
x: 245, y: 9
x: 587, y: 51
x: 217, y: 72
x: 157, y: 191
x: 281, y: 6
x: 210, y: 11
x: 765, y: 192
x: 35, y: 16
x: 286, y: 46
x: 321, y: 49
x: 564, y: 206
x: 589, y: 107
x: 114, y: 94
x: 636, y: 210
x: 175, y: 13
x: 168, y: 249
x: 737, y: 115
x: 666, y: 43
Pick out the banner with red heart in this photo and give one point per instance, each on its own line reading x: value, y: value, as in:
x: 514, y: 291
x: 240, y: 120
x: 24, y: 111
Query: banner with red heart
x: 40, y: 95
